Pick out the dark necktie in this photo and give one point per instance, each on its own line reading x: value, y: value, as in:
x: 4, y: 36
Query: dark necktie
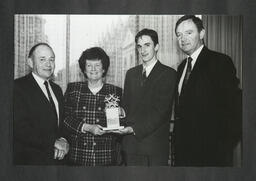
x: 187, y: 74
x: 51, y: 100
x: 179, y: 97
x: 144, y: 77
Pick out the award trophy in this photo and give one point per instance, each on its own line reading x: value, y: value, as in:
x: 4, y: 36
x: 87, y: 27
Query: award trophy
x: 112, y: 112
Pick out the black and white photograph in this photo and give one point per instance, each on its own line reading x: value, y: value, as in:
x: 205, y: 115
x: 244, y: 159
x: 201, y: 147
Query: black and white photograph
x: 128, y: 90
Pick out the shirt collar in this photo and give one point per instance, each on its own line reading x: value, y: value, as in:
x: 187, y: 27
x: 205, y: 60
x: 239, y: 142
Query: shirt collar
x: 196, y: 53
x: 149, y: 67
x: 38, y: 79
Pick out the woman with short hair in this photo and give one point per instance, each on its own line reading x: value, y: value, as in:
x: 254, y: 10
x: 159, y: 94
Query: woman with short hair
x: 85, y: 117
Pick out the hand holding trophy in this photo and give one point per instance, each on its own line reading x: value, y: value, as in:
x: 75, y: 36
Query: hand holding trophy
x: 113, y: 113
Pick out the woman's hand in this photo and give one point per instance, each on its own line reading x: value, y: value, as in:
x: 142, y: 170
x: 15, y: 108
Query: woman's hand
x: 95, y: 129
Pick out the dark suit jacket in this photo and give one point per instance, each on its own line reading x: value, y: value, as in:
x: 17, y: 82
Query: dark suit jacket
x: 35, y: 128
x: 148, y: 110
x: 208, y: 112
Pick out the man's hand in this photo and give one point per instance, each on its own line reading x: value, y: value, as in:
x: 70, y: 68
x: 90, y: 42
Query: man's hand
x: 121, y: 112
x: 95, y: 129
x: 61, y: 148
x: 126, y: 130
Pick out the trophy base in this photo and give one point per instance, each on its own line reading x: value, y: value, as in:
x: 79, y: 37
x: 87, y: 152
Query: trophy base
x: 113, y: 128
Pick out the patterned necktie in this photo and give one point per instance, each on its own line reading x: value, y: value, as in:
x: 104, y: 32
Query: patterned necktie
x: 144, y: 77
x: 188, y: 72
x: 51, y: 100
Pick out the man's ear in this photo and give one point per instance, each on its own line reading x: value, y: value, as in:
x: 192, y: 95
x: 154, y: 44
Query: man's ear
x: 30, y: 62
x: 156, y: 47
x: 202, y: 33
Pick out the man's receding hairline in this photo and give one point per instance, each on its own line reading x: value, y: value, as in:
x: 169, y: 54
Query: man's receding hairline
x: 43, y: 45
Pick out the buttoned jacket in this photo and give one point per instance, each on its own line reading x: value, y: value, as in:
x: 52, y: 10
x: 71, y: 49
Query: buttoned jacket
x: 82, y: 106
x: 148, y: 106
x: 35, y: 125
x: 208, y: 112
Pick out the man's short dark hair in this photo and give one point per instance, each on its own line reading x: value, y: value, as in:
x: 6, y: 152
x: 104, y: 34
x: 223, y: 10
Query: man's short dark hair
x: 153, y: 35
x: 198, y: 22
x: 32, y: 50
x: 94, y: 53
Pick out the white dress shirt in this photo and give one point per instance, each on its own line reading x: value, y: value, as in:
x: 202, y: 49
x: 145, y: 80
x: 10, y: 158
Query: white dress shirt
x: 149, y: 67
x: 40, y: 82
x: 194, y: 57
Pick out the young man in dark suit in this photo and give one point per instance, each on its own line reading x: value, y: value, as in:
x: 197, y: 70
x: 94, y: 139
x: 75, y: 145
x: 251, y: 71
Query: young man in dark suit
x: 208, y: 101
x: 38, y: 112
x: 148, y: 96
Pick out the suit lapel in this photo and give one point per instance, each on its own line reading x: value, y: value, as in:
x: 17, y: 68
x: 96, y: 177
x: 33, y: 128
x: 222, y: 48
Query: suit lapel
x: 56, y: 92
x: 154, y: 73
x: 35, y: 89
x: 197, y: 69
x: 180, y: 70
x: 58, y: 97
x: 179, y: 74
x: 138, y: 76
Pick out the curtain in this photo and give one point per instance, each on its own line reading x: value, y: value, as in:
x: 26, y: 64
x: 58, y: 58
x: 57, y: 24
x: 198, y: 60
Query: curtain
x: 224, y: 34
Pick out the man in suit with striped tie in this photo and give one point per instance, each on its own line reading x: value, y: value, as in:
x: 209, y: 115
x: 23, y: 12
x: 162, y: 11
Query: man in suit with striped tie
x: 37, y: 127
x: 208, y: 101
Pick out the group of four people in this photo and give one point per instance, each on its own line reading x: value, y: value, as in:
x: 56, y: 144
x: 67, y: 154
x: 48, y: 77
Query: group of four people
x: 204, y: 92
